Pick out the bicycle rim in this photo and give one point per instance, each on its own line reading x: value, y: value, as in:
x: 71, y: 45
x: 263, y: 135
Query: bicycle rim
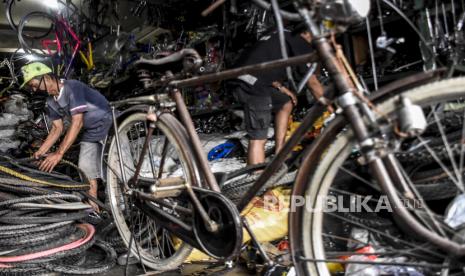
x: 156, y: 247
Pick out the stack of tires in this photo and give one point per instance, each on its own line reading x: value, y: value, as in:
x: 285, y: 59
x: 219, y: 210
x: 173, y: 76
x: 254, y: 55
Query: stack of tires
x: 44, y: 225
x: 14, y: 111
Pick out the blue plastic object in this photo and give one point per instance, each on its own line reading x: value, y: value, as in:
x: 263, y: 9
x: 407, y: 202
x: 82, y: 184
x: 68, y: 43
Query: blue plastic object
x: 221, y: 151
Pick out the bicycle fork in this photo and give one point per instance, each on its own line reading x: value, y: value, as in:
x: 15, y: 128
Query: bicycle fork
x: 383, y: 166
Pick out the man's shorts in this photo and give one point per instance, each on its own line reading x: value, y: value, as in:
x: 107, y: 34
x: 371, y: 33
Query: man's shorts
x: 90, y: 159
x: 258, y: 109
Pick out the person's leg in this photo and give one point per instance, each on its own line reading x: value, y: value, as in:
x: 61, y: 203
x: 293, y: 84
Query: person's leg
x: 280, y: 125
x: 257, y: 123
x: 89, y: 159
x: 256, y: 152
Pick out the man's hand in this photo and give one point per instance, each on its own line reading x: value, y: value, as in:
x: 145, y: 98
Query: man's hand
x: 286, y: 91
x: 50, y: 162
x: 39, y: 153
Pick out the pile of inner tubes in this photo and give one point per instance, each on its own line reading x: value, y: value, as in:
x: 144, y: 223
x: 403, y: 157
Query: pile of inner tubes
x: 43, y: 226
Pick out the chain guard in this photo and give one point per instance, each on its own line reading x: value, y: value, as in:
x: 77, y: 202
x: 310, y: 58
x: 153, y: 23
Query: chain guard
x: 227, y: 241
x: 223, y: 244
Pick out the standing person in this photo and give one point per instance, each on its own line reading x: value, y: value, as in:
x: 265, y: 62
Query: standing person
x: 267, y: 92
x: 88, y: 110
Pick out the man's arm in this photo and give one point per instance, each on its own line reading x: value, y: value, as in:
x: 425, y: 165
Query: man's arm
x: 76, y: 125
x: 315, y: 86
x: 318, y: 91
x: 53, y: 159
x: 52, y: 137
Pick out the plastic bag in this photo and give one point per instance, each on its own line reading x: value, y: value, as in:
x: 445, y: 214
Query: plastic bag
x: 455, y: 213
x: 267, y: 217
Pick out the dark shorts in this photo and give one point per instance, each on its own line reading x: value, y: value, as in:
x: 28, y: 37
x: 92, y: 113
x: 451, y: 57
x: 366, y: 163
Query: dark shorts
x: 258, y: 109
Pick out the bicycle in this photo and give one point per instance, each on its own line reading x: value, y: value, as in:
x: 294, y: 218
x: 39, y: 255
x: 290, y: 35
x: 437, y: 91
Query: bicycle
x: 367, y: 141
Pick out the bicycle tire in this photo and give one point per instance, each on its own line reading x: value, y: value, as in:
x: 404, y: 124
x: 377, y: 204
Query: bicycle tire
x: 236, y: 190
x: 40, y: 197
x: 19, y: 270
x: 108, y: 263
x: 30, y: 169
x: 7, y: 197
x: 315, y: 177
x: 22, y: 41
x: 66, y: 246
x: 34, y: 239
x: 175, y: 134
x: 27, y: 229
x: 55, y: 217
x: 14, y: 26
x: 24, y: 190
x: 57, y: 206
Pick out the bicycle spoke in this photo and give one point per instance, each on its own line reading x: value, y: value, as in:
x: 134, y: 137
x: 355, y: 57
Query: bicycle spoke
x: 441, y: 164
x: 462, y: 148
x: 381, y: 233
x: 360, y: 178
x: 423, y: 205
x: 163, y: 157
x: 449, y: 151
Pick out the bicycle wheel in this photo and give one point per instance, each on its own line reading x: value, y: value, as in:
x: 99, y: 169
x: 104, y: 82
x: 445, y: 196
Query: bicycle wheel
x: 168, y: 156
x: 12, y: 5
x: 30, y: 44
x: 339, y: 214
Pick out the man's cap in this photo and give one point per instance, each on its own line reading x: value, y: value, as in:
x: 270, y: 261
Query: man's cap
x: 32, y: 70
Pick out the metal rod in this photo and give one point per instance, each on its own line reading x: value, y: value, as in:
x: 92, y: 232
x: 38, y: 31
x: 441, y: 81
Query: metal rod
x: 212, y: 7
x: 163, y: 157
x: 177, y: 208
x: 262, y: 251
x: 194, y: 137
x: 142, y: 154
x: 170, y: 188
x: 282, y: 41
x: 307, y: 76
x: 233, y: 73
x: 118, y: 147
x: 372, y: 54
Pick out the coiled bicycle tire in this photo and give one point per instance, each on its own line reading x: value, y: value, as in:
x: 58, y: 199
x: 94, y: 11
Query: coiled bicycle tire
x: 7, y: 196
x: 81, y: 240
x: 108, y: 263
x: 13, y: 230
x: 36, y: 238
x: 40, y: 197
x: 24, y: 190
x: 55, y: 217
x: 22, y: 269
